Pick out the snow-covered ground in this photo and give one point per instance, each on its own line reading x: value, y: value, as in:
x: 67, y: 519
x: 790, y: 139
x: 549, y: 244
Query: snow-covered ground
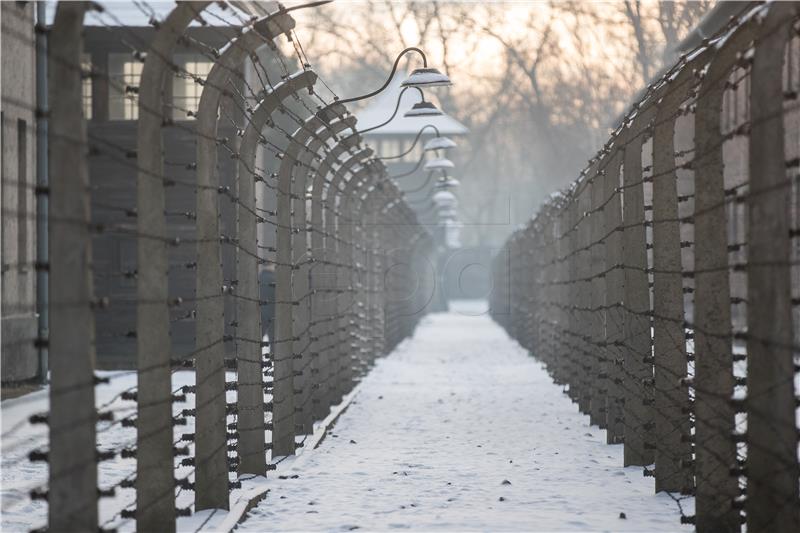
x: 460, y: 429
x: 19, y: 475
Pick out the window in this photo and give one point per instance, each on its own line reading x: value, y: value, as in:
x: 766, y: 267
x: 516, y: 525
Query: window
x: 86, y: 88
x: 415, y: 153
x: 124, y: 74
x: 185, y: 90
x: 391, y: 147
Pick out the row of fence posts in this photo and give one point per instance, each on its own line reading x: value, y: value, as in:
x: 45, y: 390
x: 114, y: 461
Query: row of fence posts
x: 627, y: 286
x: 341, y: 228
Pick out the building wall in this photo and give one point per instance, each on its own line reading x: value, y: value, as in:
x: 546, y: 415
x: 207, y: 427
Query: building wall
x: 19, y: 324
x: 112, y: 131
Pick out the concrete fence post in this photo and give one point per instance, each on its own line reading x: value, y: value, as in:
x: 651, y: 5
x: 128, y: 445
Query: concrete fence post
x: 312, y: 262
x: 563, y: 287
x: 598, y: 289
x: 353, y: 226
x: 347, y: 307
x: 573, y: 290
x: 614, y: 315
x: 636, y: 294
x: 673, y: 453
x: 155, y: 479
x: 772, y: 470
x: 250, y: 422
x: 374, y: 305
x: 339, y: 308
x: 531, y: 275
x: 324, y: 279
x: 587, y: 371
x: 295, y: 165
x: 322, y: 242
x: 72, y: 456
x: 211, y: 458
x: 715, y: 450
x: 546, y: 310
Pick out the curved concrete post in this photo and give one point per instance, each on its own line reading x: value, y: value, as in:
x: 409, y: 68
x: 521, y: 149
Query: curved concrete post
x: 397, y: 239
x: 285, y: 425
x: 673, y: 449
x: 419, y: 238
x: 410, y: 234
x: 250, y: 422
x: 318, y: 269
x: 373, y: 264
x: 639, y: 389
x: 562, y: 291
x: 323, y: 278
x: 352, y: 200
x: 528, y: 334
x: 304, y: 146
x: 342, y: 307
x: 415, y: 236
x: 613, y: 315
x: 542, y: 302
x: 597, y: 290
x: 373, y: 205
x: 72, y: 493
x: 211, y: 457
x: 586, y: 352
x: 772, y: 470
x: 155, y: 480
x: 384, y: 191
x: 574, y: 354
x: 715, y: 450
x: 296, y: 157
x: 382, y: 238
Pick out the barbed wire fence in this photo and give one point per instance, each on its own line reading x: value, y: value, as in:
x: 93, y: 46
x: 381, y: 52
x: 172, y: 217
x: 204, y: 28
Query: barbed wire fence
x: 662, y: 289
x: 198, y: 420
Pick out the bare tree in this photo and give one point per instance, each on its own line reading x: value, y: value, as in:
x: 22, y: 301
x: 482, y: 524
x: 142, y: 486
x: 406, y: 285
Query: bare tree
x: 539, y: 85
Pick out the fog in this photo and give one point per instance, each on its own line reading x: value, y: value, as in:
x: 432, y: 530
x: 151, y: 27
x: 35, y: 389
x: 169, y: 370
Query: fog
x: 539, y: 84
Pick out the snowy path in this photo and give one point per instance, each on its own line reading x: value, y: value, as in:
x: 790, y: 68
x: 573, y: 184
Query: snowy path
x: 460, y: 429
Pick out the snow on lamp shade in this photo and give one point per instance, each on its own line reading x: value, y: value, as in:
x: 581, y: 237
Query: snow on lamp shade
x: 439, y: 143
x: 445, y: 199
x: 448, y: 212
x: 423, y: 109
x: 426, y: 77
x: 440, y: 163
x: 447, y: 183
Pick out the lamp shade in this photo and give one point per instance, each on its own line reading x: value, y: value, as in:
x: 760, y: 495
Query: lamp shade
x: 440, y: 163
x: 447, y: 183
x: 448, y: 217
x: 426, y: 77
x: 445, y: 199
x: 439, y: 143
x: 423, y: 109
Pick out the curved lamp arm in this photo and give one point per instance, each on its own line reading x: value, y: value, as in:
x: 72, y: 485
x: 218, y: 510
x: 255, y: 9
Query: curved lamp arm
x: 391, y: 75
x: 416, y: 167
x: 424, y: 184
x: 416, y: 140
x: 396, y: 109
